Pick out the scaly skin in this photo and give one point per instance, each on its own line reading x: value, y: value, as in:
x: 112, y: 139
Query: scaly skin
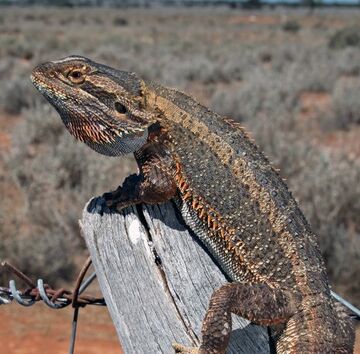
x: 227, y: 191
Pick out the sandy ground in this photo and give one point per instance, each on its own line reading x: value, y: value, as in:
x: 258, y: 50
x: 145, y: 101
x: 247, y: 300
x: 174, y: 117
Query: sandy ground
x: 41, y: 330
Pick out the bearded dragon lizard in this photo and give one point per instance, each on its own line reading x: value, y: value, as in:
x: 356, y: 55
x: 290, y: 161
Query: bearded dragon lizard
x: 228, y: 193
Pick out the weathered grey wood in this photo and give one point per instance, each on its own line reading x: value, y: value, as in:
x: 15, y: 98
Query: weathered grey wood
x: 152, y: 305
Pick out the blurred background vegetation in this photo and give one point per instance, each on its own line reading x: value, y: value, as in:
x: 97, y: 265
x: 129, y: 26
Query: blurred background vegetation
x: 292, y: 78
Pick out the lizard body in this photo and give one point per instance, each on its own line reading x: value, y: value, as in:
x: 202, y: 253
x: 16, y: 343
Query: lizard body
x: 227, y: 191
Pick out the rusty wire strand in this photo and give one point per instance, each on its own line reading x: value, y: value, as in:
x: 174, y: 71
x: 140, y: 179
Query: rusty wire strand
x: 79, y: 280
x: 75, y: 303
x: 12, y: 269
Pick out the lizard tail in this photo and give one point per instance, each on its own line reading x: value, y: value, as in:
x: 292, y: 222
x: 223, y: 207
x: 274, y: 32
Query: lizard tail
x: 318, y: 330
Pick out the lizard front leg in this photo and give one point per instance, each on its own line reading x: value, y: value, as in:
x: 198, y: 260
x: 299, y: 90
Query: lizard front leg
x: 258, y: 303
x: 154, y: 184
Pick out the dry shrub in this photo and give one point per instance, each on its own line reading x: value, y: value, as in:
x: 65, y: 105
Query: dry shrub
x: 16, y: 95
x: 49, y: 256
x: 345, y: 37
x: 346, y: 103
x: 291, y: 26
x: 120, y: 21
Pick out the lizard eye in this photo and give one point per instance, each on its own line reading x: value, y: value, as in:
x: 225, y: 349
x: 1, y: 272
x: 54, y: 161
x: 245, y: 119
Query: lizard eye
x: 120, y: 108
x: 76, y: 76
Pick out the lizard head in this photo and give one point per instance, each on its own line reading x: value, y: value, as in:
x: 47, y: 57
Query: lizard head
x: 100, y: 106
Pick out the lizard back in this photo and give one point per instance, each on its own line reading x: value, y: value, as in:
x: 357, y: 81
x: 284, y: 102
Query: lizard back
x: 235, y: 190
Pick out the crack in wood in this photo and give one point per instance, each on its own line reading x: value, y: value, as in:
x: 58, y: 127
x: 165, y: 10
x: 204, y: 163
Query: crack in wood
x: 183, y: 318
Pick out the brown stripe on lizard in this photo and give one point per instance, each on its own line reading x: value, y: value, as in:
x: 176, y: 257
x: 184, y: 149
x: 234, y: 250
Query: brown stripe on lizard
x: 227, y: 191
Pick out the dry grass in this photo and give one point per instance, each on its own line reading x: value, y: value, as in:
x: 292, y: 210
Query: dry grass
x: 256, y: 69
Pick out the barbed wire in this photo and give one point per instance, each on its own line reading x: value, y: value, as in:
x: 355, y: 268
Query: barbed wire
x: 55, y: 299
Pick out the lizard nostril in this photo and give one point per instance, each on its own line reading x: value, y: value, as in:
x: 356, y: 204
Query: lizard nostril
x: 120, y: 108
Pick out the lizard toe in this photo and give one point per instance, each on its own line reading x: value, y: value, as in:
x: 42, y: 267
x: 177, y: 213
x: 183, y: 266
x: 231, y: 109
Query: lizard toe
x: 179, y: 348
x: 98, y: 206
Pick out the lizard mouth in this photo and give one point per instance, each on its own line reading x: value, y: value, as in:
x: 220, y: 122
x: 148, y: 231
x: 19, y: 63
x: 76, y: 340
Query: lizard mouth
x: 34, y: 78
x: 39, y: 84
x: 37, y: 79
x: 37, y: 74
x: 41, y: 80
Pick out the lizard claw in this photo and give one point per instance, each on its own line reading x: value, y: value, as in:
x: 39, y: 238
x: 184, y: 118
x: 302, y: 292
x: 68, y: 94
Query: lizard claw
x: 98, y: 206
x: 179, y: 348
x: 116, y: 201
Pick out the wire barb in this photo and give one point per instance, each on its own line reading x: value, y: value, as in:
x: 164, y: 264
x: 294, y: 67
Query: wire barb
x: 44, y: 297
x: 16, y: 295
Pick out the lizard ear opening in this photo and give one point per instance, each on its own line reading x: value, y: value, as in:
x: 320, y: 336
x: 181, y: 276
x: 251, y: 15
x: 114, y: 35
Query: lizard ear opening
x: 120, y: 108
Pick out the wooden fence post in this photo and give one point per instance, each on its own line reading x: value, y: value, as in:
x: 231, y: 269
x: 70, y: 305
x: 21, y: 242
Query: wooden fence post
x: 157, y: 280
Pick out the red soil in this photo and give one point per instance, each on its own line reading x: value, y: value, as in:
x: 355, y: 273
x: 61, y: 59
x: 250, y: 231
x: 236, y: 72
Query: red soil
x: 41, y: 330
